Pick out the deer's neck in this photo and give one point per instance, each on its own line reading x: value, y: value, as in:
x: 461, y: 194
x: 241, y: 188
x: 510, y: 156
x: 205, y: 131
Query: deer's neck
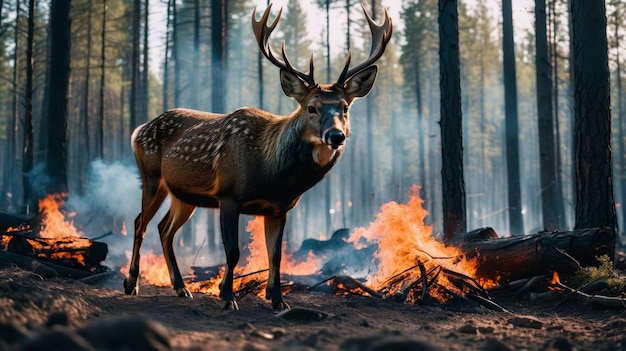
x: 293, y: 144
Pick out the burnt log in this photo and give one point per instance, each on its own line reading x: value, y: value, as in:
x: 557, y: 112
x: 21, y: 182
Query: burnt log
x: 518, y: 257
x: 70, y: 252
x: 44, y: 268
x: 12, y: 220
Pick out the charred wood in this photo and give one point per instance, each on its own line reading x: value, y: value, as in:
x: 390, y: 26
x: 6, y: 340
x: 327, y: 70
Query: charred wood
x: 519, y: 257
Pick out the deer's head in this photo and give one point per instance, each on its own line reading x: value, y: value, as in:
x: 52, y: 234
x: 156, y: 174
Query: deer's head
x: 326, y: 106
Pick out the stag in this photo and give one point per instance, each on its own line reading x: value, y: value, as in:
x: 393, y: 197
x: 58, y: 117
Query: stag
x: 247, y: 162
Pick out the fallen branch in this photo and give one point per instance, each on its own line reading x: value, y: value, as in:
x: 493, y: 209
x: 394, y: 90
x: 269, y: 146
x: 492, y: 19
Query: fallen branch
x: 601, y: 300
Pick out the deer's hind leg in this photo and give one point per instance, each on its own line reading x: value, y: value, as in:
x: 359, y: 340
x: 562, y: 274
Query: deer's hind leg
x: 177, y: 215
x: 152, y: 197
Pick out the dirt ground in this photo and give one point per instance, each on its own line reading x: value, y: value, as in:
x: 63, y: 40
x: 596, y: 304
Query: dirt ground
x: 31, y: 306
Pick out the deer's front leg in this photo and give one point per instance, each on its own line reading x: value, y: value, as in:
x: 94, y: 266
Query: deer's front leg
x: 274, y: 227
x: 229, y: 219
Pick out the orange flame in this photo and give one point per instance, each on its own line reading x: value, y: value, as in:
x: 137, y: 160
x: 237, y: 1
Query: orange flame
x: 555, y: 278
x: 54, y: 224
x: 555, y: 283
x: 153, y: 269
x: 404, y: 240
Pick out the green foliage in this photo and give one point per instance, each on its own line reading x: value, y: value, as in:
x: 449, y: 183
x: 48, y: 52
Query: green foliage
x: 604, y: 270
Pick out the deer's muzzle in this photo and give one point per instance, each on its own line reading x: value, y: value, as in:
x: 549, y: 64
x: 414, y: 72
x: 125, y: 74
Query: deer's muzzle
x: 334, y: 138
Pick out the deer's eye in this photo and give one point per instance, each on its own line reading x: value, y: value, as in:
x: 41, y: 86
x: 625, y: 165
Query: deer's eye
x: 312, y: 109
x: 345, y: 109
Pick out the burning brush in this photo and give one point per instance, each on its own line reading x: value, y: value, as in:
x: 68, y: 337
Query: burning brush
x: 410, y: 265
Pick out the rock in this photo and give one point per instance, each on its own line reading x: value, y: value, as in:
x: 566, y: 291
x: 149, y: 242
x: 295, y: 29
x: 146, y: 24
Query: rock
x: 127, y: 333
x: 561, y: 344
x: 468, y: 329
x: 526, y: 322
x: 57, y: 318
x: 486, y: 330
x: 496, y: 345
x: 279, y: 332
x: 302, y: 314
x: 57, y: 339
x: 11, y: 334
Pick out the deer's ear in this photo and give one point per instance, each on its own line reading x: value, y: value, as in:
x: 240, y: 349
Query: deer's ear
x: 361, y: 83
x: 292, y: 85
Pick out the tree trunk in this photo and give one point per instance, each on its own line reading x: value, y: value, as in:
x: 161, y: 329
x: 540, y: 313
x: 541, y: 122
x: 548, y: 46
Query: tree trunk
x: 60, y: 31
x: 547, y: 150
x: 218, y: 62
x: 453, y: 184
x: 196, y: 54
x: 30, y: 198
x: 135, y: 83
x: 516, y: 221
x: 86, y: 153
x: 166, y: 71
x: 10, y: 161
x: 145, y: 83
x: 102, y: 81
x: 621, y: 115
x: 175, y: 53
x: 559, y: 201
x: 595, y: 206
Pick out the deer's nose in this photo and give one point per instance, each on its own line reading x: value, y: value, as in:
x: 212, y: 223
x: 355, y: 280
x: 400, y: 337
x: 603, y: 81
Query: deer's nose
x: 335, y: 138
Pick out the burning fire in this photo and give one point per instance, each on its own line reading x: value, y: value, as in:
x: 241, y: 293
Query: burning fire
x: 153, y: 268
x: 55, y: 226
x: 404, y: 243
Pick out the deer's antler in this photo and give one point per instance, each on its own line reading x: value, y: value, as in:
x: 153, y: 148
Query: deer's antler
x: 262, y: 32
x: 381, y: 34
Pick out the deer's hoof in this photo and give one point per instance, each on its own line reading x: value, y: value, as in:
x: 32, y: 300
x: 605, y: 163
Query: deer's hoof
x: 280, y: 306
x: 184, y: 292
x: 230, y: 305
x: 130, y: 289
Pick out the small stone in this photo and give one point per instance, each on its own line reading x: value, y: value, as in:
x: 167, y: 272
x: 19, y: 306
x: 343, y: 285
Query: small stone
x: 279, y: 332
x: 526, y: 322
x: 496, y: 345
x: 302, y: 314
x: 486, y: 330
x: 562, y: 344
x: 468, y: 329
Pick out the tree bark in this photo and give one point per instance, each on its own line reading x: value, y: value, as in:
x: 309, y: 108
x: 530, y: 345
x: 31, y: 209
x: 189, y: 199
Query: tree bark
x: 516, y: 221
x: 28, y: 159
x: 453, y: 184
x: 145, y: 83
x: 595, y: 206
x: 59, y: 94
x: 218, y: 62
x: 102, y: 81
x: 85, y: 155
x: 547, y: 149
x: 135, y: 82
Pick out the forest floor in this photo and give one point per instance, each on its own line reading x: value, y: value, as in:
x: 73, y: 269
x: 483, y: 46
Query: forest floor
x: 38, y: 313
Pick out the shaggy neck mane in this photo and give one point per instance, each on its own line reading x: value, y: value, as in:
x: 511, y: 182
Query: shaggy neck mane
x: 285, y: 134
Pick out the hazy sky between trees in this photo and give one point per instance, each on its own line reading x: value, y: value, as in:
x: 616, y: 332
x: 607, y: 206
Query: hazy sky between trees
x: 523, y: 19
